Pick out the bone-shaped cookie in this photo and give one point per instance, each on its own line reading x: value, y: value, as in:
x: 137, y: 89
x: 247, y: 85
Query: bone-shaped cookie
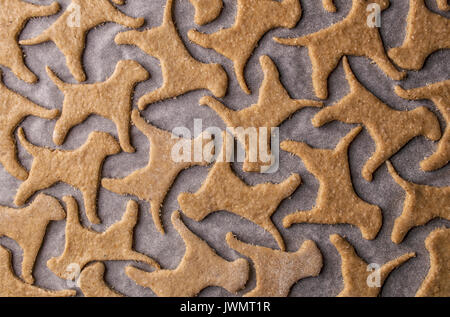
x: 422, y: 204
x: 13, y: 109
x: 152, y: 182
x: 110, y: 99
x: 70, y: 29
x: 206, y: 10
x: 79, y: 168
x: 337, y: 202
x: 439, y: 93
x: 11, y: 286
x: 356, y: 272
x: 273, y: 107
x: 390, y: 129
x: 27, y: 226
x: 84, y: 245
x: 181, y: 72
x: 351, y: 36
x: 224, y: 190
x: 426, y: 32
x: 253, y: 19
x: 14, y: 14
x: 92, y: 282
x: 200, y: 267
x: 437, y: 281
x: 277, y: 271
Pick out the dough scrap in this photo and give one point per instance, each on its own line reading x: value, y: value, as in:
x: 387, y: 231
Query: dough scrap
x: 439, y: 93
x: 337, y: 202
x: 79, y: 168
x: 224, y: 190
x: 253, y: 19
x: 92, y: 282
x: 11, y: 286
x: 152, y: 182
x: 110, y: 99
x: 14, y: 15
x: 13, y: 109
x: 437, y: 282
x: 206, y: 11
x: 422, y: 204
x: 329, y: 5
x: 84, y: 245
x: 274, y: 106
x: 390, y: 129
x: 181, y: 72
x: 200, y: 267
x: 27, y: 226
x: 351, y: 36
x: 355, y: 271
x: 443, y: 5
x: 278, y: 271
x: 426, y: 32
x: 70, y: 38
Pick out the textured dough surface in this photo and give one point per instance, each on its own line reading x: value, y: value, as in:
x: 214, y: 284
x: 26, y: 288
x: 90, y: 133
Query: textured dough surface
x: 92, y: 282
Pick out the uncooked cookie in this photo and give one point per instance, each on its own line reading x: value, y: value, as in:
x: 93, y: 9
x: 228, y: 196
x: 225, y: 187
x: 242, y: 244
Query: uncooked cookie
x: 351, y: 36
x: 70, y: 29
x: 439, y: 93
x: 13, y: 109
x: 11, y: 286
x: 278, y: 271
x: 437, y: 282
x: 337, y: 202
x: 422, y: 204
x: 79, y: 168
x: 27, y: 227
x: 443, y: 5
x: 224, y: 190
x: 273, y: 107
x: 253, y: 19
x: 84, y: 245
x: 356, y: 272
x: 152, y: 182
x: 92, y: 282
x: 206, y: 10
x: 200, y: 267
x: 181, y: 72
x: 426, y: 32
x: 390, y: 129
x: 329, y: 5
x: 14, y: 14
x: 110, y: 99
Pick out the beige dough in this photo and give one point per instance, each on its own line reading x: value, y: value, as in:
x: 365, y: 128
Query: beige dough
x: 200, y: 267
x: 329, y: 5
x: 278, y: 271
x: 337, y: 202
x: 390, y: 129
x: 253, y: 19
x: 92, y: 282
x: 110, y: 99
x: 206, y: 11
x: 70, y: 38
x: 79, y: 168
x: 181, y: 72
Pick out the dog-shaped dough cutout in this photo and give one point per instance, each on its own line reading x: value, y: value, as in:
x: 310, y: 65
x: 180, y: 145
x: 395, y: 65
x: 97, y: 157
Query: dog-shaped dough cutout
x: 84, y: 245
x: 200, y: 267
x: 277, y: 271
x: 110, y: 99
x: 206, y: 11
x: 181, y: 72
x: 253, y: 19
x: 13, y: 109
x: 79, y: 168
x: 152, y: 182
x: 426, y: 33
x: 92, y: 282
x: 390, y: 129
x: 422, y: 204
x: 70, y: 29
x: 351, y: 36
x: 274, y: 106
x: 356, y: 272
